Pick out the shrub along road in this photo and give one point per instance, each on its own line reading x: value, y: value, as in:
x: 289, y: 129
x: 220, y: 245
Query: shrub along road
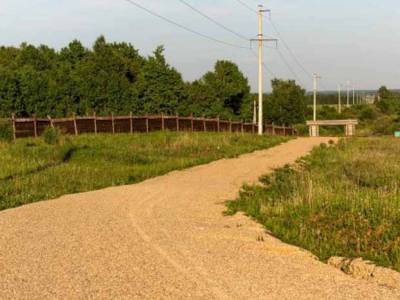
x: 166, y: 237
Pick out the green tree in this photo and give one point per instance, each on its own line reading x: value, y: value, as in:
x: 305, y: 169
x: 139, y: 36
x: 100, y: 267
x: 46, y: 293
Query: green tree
x: 384, y: 93
x: 287, y: 104
x: 388, y: 102
x: 224, y: 92
x: 105, y: 80
x: 161, y: 87
x: 113, y: 78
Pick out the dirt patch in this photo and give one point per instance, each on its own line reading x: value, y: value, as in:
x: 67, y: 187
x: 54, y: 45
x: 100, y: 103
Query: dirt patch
x: 367, y: 270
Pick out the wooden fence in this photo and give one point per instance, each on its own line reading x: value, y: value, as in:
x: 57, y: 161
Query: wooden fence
x: 34, y: 127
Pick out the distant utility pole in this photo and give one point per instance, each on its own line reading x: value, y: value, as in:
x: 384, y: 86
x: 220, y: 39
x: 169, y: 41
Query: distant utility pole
x: 261, y: 41
x: 348, y: 93
x: 316, y: 77
x: 354, y: 94
x: 340, y: 98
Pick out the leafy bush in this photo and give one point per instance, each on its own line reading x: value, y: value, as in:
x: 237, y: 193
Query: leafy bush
x: 350, y: 113
x: 6, y: 132
x: 52, y: 136
x: 331, y: 131
x: 328, y: 113
x: 368, y: 113
x: 389, y: 106
x: 385, y: 125
x: 302, y: 129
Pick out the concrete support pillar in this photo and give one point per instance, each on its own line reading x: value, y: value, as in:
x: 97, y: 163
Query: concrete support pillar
x: 314, y: 130
x: 350, y: 130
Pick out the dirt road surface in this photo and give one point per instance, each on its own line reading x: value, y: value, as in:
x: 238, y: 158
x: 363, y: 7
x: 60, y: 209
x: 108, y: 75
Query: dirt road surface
x: 165, y: 238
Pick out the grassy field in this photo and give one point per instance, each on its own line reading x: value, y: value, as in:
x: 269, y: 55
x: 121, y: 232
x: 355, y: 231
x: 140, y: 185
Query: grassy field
x: 32, y: 170
x: 340, y: 201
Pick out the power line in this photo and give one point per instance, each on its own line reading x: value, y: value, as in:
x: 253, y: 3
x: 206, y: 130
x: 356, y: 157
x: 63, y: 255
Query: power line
x: 194, y: 31
x: 265, y: 66
x: 213, y: 20
x: 183, y: 26
x: 244, y: 4
x: 285, y: 44
x: 289, y: 67
x: 290, y: 50
x: 291, y: 70
x: 226, y: 28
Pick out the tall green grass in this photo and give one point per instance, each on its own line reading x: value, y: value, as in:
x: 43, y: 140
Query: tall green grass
x: 341, y: 200
x: 6, y: 133
x: 32, y: 170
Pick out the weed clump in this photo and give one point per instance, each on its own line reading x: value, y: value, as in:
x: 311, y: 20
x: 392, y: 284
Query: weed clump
x: 6, y: 132
x: 52, y: 136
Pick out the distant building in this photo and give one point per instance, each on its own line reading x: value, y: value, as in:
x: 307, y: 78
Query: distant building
x: 370, y: 99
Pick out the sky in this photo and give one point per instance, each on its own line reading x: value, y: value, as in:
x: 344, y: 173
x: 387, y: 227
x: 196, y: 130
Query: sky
x: 341, y: 40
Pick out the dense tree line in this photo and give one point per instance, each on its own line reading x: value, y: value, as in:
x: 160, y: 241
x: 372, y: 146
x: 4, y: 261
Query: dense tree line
x: 115, y: 78
x: 388, y: 101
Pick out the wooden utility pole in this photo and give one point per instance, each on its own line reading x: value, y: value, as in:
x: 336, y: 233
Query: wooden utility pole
x: 340, y: 99
x: 95, y: 122
x: 130, y: 122
x: 35, y: 129
x: 112, y: 123
x: 14, y: 127
x: 75, y: 124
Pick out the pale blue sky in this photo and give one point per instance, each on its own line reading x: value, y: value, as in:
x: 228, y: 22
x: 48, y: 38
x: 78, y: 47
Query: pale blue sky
x: 356, y: 40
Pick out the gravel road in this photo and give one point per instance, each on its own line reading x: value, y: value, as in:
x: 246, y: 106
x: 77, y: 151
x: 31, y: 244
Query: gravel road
x: 165, y: 238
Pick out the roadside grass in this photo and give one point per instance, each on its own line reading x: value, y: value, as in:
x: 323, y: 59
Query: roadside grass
x: 341, y: 200
x: 32, y: 170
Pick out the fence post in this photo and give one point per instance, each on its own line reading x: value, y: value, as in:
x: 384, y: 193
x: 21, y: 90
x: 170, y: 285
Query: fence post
x: 130, y: 123
x: 230, y: 125
x: 95, y: 122
x: 147, y: 123
x: 242, y: 126
x: 35, y: 126
x: 112, y: 122
x: 162, y: 122
x: 273, y: 128
x: 75, y: 125
x: 284, y: 130
x: 177, y: 122
x: 218, y: 125
x: 253, y: 129
x: 51, y: 122
x: 204, y: 124
x: 191, y: 122
x: 14, y: 127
